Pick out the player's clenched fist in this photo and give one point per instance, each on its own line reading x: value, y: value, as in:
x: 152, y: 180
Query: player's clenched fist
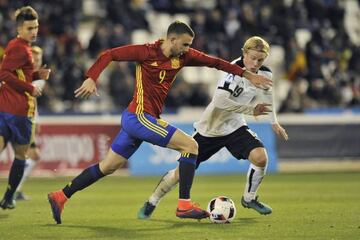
x: 37, y: 92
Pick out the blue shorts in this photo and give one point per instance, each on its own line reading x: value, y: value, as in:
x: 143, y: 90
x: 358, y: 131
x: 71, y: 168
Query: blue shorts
x: 136, y: 128
x: 15, y: 129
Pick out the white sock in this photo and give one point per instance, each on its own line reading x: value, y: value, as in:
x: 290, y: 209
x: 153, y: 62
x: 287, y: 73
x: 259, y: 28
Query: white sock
x: 254, y: 177
x: 166, y: 184
x: 29, y: 165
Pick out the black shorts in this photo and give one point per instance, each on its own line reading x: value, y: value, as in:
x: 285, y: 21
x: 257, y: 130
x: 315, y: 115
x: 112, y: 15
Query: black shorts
x: 239, y: 144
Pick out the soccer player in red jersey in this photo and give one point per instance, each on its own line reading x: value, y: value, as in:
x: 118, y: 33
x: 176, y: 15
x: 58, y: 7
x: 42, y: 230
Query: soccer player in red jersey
x: 156, y: 70
x: 33, y: 152
x: 17, y: 96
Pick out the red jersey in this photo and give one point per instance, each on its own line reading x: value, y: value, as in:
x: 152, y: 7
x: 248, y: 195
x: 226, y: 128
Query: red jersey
x: 155, y: 72
x: 16, y: 74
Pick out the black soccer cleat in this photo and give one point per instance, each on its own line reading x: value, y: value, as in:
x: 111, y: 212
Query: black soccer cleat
x: 146, y: 210
x: 4, y: 204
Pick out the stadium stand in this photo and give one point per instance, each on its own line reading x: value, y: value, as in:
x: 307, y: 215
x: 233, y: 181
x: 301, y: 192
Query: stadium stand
x: 315, y: 51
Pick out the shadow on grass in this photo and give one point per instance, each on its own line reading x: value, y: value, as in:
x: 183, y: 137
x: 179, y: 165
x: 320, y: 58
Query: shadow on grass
x: 204, y: 223
x: 3, y: 216
x: 146, y: 229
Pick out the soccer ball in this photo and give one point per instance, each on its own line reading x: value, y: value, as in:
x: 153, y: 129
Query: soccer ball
x: 222, y: 210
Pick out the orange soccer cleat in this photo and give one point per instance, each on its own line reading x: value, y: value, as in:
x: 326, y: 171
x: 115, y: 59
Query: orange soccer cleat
x: 194, y: 211
x: 57, y: 201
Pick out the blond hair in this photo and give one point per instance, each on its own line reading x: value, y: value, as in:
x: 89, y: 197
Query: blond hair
x: 37, y: 50
x: 258, y: 44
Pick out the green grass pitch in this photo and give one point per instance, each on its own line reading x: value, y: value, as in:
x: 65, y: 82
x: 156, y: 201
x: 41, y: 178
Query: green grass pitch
x: 305, y: 206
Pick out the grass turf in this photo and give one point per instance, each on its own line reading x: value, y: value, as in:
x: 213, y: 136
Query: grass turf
x: 305, y: 206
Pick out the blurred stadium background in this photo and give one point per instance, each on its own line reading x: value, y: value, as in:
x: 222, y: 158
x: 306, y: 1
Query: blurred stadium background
x: 315, y: 57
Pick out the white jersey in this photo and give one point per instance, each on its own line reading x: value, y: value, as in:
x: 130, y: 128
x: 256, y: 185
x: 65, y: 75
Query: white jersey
x: 236, y: 96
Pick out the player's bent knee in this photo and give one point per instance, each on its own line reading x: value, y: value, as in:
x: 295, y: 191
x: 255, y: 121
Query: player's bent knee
x: 262, y: 161
x: 191, y: 146
x: 111, y: 163
x: 258, y: 157
x: 183, y: 143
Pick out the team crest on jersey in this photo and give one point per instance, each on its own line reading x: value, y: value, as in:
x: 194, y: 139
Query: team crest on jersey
x: 175, y: 63
x: 162, y: 123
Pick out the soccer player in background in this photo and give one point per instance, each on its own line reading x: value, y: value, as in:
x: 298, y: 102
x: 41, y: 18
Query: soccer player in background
x: 223, y: 125
x: 157, y: 66
x: 17, y: 96
x: 33, y: 152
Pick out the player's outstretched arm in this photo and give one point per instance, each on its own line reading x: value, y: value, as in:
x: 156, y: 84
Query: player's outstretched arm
x: 86, y: 89
x: 197, y: 58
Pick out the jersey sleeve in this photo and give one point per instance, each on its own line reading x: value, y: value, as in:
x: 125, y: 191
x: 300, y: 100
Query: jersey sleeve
x: 136, y: 53
x: 197, y: 58
x: 223, y: 101
x: 14, y: 82
x: 227, y: 83
x: 15, y: 58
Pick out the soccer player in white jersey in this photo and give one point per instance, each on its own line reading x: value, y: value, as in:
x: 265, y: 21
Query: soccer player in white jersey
x: 223, y: 125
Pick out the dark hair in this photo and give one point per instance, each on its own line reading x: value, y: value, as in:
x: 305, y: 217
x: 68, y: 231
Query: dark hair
x: 179, y: 27
x: 25, y: 14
